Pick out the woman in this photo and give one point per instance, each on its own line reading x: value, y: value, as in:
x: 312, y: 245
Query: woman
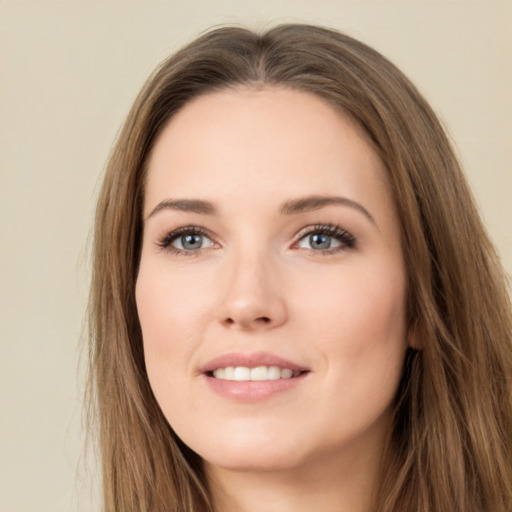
x: 294, y: 304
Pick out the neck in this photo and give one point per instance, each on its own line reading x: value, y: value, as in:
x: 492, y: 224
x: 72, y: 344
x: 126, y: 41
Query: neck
x: 329, y: 484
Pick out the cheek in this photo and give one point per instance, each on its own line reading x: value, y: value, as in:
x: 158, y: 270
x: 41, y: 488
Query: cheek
x: 169, y: 306
x: 360, y: 333
x: 169, y: 315
x: 357, y: 321
x: 362, y: 300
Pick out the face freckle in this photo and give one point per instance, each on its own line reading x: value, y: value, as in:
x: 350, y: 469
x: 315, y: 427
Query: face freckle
x: 271, y: 241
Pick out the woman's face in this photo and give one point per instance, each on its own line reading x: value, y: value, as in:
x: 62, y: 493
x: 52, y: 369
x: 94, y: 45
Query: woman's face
x: 271, y: 289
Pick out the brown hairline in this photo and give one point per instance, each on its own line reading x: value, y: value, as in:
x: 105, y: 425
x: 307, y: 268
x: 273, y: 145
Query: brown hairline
x: 450, y: 448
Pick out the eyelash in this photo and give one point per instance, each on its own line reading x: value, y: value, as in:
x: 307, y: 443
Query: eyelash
x: 346, y: 239
x: 169, y: 238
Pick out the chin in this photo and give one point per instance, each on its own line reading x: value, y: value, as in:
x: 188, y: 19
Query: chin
x: 254, y: 461
x: 251, y: 453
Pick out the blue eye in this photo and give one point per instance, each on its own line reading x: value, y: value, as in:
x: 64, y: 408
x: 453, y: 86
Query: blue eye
x: 326, y: 238
x: 187, y: 240
x: 319, y: 241
x: 191, y: 242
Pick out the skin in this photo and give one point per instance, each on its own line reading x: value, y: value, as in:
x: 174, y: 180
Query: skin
x: 258, y: 285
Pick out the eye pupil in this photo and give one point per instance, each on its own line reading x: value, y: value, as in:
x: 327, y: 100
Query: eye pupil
x: 192, y: 241
x: 319, y: 241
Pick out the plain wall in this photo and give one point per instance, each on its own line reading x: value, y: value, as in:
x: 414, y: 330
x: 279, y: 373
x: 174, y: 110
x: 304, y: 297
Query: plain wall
x: 69, y: 71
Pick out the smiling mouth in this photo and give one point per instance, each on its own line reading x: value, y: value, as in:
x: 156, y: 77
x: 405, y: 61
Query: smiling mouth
x: 257, y: 373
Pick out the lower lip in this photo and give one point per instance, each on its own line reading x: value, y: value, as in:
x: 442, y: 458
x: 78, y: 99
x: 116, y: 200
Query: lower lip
x: 252, y: 391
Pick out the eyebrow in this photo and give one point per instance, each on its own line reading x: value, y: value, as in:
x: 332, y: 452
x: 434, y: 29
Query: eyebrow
x: 185, y: 205
x: 311, y: 203
x: 291, y: 207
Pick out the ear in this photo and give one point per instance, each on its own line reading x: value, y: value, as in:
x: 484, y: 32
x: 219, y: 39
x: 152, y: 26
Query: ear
x: 413, y: 338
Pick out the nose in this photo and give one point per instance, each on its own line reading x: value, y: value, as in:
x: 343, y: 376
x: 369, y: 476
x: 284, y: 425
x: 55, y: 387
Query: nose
x: 253, y: 299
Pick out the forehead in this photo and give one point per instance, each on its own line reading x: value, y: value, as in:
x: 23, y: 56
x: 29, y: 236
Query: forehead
x: 267, y: 141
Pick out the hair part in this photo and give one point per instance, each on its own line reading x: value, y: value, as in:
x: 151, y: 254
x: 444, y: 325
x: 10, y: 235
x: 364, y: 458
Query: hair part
x: 450, y: 448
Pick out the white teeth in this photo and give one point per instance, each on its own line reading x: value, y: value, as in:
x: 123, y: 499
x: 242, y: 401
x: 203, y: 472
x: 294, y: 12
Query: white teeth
x: 243, y: 373
x: 219, y: 373
x: 286, y: 373
x: 229, y: 373
x: 274, y: 373
x: 259, y: 373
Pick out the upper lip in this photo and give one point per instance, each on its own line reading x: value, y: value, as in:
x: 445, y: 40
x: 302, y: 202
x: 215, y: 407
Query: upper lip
x: 250, y: 360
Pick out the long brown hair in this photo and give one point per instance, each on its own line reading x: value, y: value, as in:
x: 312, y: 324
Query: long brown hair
x: 450, y: 448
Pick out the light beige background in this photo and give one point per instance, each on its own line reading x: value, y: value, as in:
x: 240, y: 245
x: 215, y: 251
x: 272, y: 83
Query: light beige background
x: 68, y: 73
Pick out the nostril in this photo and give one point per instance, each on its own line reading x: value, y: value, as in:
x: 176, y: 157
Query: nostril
x: 260, y: 320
